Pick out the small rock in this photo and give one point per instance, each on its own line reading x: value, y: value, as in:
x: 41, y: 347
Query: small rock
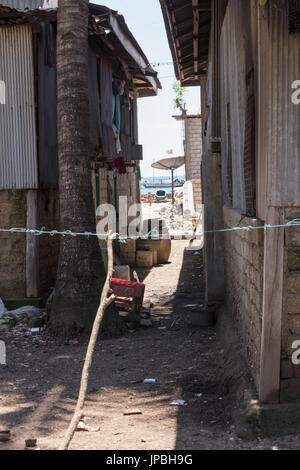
x: 30, y: 443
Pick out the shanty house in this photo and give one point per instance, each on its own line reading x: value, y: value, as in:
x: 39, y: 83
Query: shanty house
x: 245, y: 55
x: 119, y: 73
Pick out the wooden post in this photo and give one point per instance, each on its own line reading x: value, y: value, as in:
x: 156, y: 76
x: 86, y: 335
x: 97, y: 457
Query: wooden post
x: 32, y: 272
x: 269, y: 382
x: 172, y: 187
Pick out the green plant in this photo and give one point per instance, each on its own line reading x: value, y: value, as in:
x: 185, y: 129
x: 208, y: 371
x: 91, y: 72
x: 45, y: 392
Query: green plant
x: 179, y: 100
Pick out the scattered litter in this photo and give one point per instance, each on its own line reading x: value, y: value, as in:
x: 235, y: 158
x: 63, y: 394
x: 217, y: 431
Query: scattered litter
x: 132, y: 411
x: 12, y: 385
x: 22, y: 313
x: 81, y: 426
x: 74, y: 342
x: 3, y: 309
x: 143, y: 439
x: 5, y: 435
x: 178, y: 403
x: 149, y: 381
x: 30, y: 443
x: 198, y: 395
x: 34, y: 330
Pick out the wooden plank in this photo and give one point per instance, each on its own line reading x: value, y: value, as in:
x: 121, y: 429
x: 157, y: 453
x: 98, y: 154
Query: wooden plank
x: 129, y: 47
x: 269, y: 382
x: 32, y: 271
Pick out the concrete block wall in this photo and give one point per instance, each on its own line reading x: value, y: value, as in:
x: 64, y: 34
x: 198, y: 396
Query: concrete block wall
x: 12, y: 246
x: 244, y: 255
x: 290, y: 373
x: 197, y: 192
x: 13, y: 213
x: 193, y: 144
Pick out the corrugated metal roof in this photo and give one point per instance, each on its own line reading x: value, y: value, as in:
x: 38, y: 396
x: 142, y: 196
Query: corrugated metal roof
x: 18, y: 147
x: 29, y: 5
x: 179, y: 17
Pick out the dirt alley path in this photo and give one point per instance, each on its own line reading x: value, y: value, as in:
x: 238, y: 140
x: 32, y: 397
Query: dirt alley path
x: 39, y: 385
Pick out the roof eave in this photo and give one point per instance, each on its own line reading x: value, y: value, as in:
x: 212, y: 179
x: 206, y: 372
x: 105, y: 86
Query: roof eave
x: 170, y: 37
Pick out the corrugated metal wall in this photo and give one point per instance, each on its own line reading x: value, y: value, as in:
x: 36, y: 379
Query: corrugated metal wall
x: 259, y: 37
x: 280, y: 67
x: 23, y: 5
x: 18, y: 146
x: 236, y: 61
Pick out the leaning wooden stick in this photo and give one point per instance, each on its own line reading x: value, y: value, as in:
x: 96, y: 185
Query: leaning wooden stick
x: 105, y: 301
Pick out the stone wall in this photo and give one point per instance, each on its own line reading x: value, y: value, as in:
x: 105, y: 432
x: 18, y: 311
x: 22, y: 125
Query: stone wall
x: 290, y: 373
x: 193, y: 148
x: 12, y: 245
x: 244, y: 253
x: 13, y: 213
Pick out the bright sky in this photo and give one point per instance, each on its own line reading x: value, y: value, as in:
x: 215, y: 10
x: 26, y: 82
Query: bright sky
x: 158, y: 131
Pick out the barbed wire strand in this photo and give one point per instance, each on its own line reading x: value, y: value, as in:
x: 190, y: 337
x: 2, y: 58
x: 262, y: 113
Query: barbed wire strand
x: 43, y: 231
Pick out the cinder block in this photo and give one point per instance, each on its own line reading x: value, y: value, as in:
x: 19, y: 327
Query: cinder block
x: 129, y: 246
x: 293, y: 303
x: 290, y: 390
x: 144, y: 259
x: 127, y: 257
x: 293, y: 259
x: 293, y: 283
x: 294, y: 324
x: 292, y: 236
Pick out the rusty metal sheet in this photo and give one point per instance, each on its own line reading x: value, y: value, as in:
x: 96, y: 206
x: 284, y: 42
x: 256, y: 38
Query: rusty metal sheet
x: 18, y: 145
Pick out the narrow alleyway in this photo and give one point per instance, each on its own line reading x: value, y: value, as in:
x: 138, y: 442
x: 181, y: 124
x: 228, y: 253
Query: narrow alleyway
x: 39, y: 385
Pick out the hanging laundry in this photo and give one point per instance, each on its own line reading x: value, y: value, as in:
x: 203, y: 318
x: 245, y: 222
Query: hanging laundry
x: 117, y: 138
x: 120, y: 165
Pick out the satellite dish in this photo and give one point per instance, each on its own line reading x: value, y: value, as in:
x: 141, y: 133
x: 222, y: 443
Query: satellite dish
x: 170, y: 164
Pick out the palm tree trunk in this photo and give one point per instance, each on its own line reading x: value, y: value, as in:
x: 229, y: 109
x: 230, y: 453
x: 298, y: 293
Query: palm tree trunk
x: 81, y: 274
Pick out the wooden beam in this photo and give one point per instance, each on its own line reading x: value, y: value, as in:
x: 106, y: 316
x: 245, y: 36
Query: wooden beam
x: 195, y: 34
x: 269, y: 381
x: 189, y: 36
x: 130, y: 48
x: 203, y: 5
x: 32, y: 271
x: 181, y: 5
